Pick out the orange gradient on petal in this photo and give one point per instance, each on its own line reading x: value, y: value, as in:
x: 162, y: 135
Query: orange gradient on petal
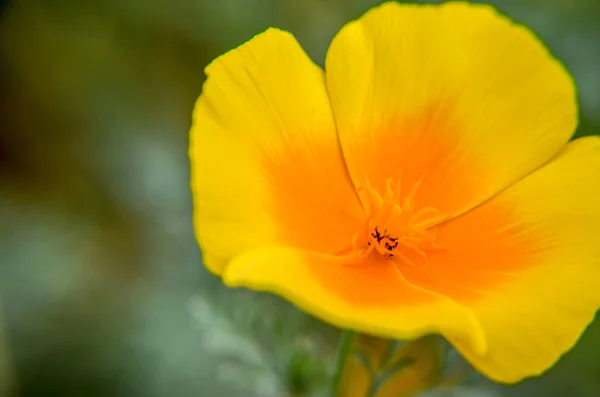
x: 485, y: 249
x: 482, y: 248
x: 424, y: 147
x: 376, y: 282
x: 317, y: 208
x: 314, y: 203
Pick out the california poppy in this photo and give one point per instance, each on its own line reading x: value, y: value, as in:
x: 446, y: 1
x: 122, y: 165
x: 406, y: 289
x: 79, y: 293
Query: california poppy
x: 422, y: 183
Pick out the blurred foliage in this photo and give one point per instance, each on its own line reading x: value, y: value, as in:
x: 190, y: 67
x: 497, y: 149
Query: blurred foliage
x: 102, y: 288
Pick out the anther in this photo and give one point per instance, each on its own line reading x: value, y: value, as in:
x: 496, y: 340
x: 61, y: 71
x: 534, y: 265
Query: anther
x: 395, y: 227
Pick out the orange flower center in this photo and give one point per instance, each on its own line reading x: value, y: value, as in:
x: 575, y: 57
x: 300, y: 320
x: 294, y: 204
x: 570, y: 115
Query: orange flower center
x: 395, y: 228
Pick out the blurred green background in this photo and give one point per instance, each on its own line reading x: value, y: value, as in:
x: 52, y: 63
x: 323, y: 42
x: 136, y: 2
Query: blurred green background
x: 102, y: 289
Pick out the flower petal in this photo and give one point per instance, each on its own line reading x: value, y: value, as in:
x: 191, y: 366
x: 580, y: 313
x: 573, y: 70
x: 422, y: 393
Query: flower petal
x: 372, y: 297
x: 265, y: 161
x: 456, y: 93
x: 527, y: 262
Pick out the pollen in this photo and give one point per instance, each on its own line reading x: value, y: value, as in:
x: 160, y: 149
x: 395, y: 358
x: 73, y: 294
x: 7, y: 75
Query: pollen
x: 395, y: 226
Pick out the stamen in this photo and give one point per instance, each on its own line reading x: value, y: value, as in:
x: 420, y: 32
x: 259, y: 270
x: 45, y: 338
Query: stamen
x: 393, y: 228
x: 422, y: 213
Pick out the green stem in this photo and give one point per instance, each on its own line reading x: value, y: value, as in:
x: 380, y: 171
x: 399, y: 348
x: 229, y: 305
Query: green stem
x: 373, y: 387
x: 344, y: 348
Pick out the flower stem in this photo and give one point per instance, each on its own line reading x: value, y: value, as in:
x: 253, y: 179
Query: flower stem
x: 344, y: 348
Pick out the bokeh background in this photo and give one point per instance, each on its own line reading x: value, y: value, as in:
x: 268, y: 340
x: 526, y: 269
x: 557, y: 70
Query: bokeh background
x: 102, y: 288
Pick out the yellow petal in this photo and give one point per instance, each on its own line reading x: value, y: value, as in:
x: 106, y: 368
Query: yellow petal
x: 527, y: 263
x: 372, y: 297
x: 265, y: 161
x: 455, y: 93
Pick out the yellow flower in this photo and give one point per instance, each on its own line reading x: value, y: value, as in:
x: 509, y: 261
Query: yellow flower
x: 422, y: 184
